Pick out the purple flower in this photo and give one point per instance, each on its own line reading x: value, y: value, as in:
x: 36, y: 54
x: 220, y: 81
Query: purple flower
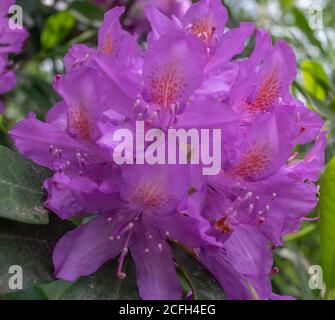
x: 142, y: 215
x: 67, y: 142
x: 186, y: 78
x: 262, y: 192
x: 11, y: 41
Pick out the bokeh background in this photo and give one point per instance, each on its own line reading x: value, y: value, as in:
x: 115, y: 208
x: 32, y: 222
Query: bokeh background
x: 308, y: 25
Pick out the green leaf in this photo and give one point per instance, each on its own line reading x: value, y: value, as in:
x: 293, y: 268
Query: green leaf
x: 21, y: 192
x: 315, y: 79
x: 105, y: 285
x: 86, y: 12
x: 54, y: 290
x: 30, y: 247
x: 204, y: 286
x: 286, y: 4
x: 56, y: 29
x: 327, y: 224
x: 302, y: 23
x: 301, y: 233
x: 33, y: 293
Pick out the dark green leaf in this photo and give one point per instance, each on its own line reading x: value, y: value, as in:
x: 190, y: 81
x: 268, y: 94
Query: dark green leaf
x: 86, y: 11
x: 105, y: 285
x: 327, y: 224
x: 204, y: 286
x: 33, y: 293
x: 55, y: 290
x: 21, y: 193
x: 30, y: 247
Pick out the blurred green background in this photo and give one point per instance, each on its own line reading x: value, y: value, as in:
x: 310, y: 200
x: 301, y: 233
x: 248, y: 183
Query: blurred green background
x: 307, y: 25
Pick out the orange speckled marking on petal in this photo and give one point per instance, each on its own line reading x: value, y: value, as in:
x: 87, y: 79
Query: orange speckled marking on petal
x: 255, y: 162
x: 267, y: 94
x: 167, y: 84
x: 109, y: 46
x: 80, y: 122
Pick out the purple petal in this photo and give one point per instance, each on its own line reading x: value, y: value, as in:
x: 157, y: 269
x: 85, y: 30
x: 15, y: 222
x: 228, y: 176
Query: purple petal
x: 231, y: 44
x: 84, y: 250
x: 61, y: 199
x: 173, y: 69
x: 156, y: 275
x: 84, y: 93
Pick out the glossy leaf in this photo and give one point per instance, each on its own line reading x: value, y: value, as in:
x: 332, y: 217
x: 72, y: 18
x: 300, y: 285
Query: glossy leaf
x: 86, y: 11
x: 21, y: 192
x: 56, y: 29
x: 29, y: 247
x: 327, y: 224
x: 204, y: 286
x: 315, y: 79
x: 105, y: 285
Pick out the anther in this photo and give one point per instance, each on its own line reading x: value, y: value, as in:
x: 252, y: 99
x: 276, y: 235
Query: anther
x: 261, y: 220
x: 248, y: 196
x: 130, y: 226
x: 137, y: 102
x: 275, y: 270
x: 251, y: 208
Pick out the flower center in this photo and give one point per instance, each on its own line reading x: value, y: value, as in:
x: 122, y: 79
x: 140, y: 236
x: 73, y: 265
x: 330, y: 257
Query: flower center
x: 222, y: 225
x: 204, y: 29
x: 148, y: 196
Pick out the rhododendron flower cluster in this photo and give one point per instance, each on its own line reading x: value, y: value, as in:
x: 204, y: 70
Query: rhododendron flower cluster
x: 11, y: 41
x: 190, y: 76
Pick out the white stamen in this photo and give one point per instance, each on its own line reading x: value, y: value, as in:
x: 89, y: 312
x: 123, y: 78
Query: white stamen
x: 130, y: 225
x: 251, y: 208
